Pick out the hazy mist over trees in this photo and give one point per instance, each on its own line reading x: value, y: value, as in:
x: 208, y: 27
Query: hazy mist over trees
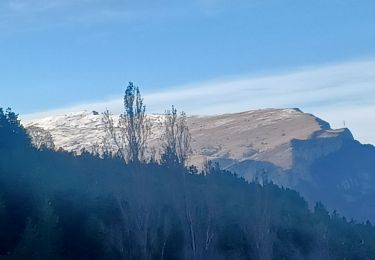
x: 123, y: 205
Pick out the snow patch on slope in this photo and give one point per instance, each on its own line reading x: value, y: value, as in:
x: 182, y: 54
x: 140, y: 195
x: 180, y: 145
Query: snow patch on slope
x: 260, y: 135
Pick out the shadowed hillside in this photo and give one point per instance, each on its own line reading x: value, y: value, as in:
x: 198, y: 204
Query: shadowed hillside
x: 55, y: 205
x: 293, y: 149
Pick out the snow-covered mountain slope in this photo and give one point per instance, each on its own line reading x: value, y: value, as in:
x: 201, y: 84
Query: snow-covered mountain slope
x: 287, y: 146
x: 261, y: 135
x: 75, y: 131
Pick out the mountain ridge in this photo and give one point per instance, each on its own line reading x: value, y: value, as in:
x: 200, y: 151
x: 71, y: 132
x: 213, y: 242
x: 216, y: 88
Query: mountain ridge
x: 285, y: 146
x: 262, y: 135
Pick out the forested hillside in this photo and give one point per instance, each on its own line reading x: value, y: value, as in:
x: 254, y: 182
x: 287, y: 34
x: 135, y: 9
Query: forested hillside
x: 56, y: 205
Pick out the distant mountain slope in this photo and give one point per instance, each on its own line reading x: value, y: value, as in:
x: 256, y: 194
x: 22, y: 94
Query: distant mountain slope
x: 292, y: 148
x: 54, y: 205
x: 261, y: 135
x: 344, y: 180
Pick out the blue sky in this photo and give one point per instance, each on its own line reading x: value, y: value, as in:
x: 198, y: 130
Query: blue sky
x: 58, y: 55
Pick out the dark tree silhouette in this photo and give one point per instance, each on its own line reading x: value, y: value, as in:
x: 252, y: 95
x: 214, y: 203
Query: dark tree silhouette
x: 135, y: 123
x: 176, y: 139
x: 58, y: 205
x: 133, y: 129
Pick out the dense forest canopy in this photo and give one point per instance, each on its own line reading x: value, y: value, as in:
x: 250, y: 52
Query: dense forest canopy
x: 58, y: 205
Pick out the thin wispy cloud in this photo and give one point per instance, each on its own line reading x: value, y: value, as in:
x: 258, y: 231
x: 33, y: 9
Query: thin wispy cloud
x: 21, y: 6
x: 337, y: 93
x: 42, y: 14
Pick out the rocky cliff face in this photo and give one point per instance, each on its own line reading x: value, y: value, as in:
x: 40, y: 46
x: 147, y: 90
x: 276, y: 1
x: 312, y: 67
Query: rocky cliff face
x: 320, y: 144
x: 286, y: 146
